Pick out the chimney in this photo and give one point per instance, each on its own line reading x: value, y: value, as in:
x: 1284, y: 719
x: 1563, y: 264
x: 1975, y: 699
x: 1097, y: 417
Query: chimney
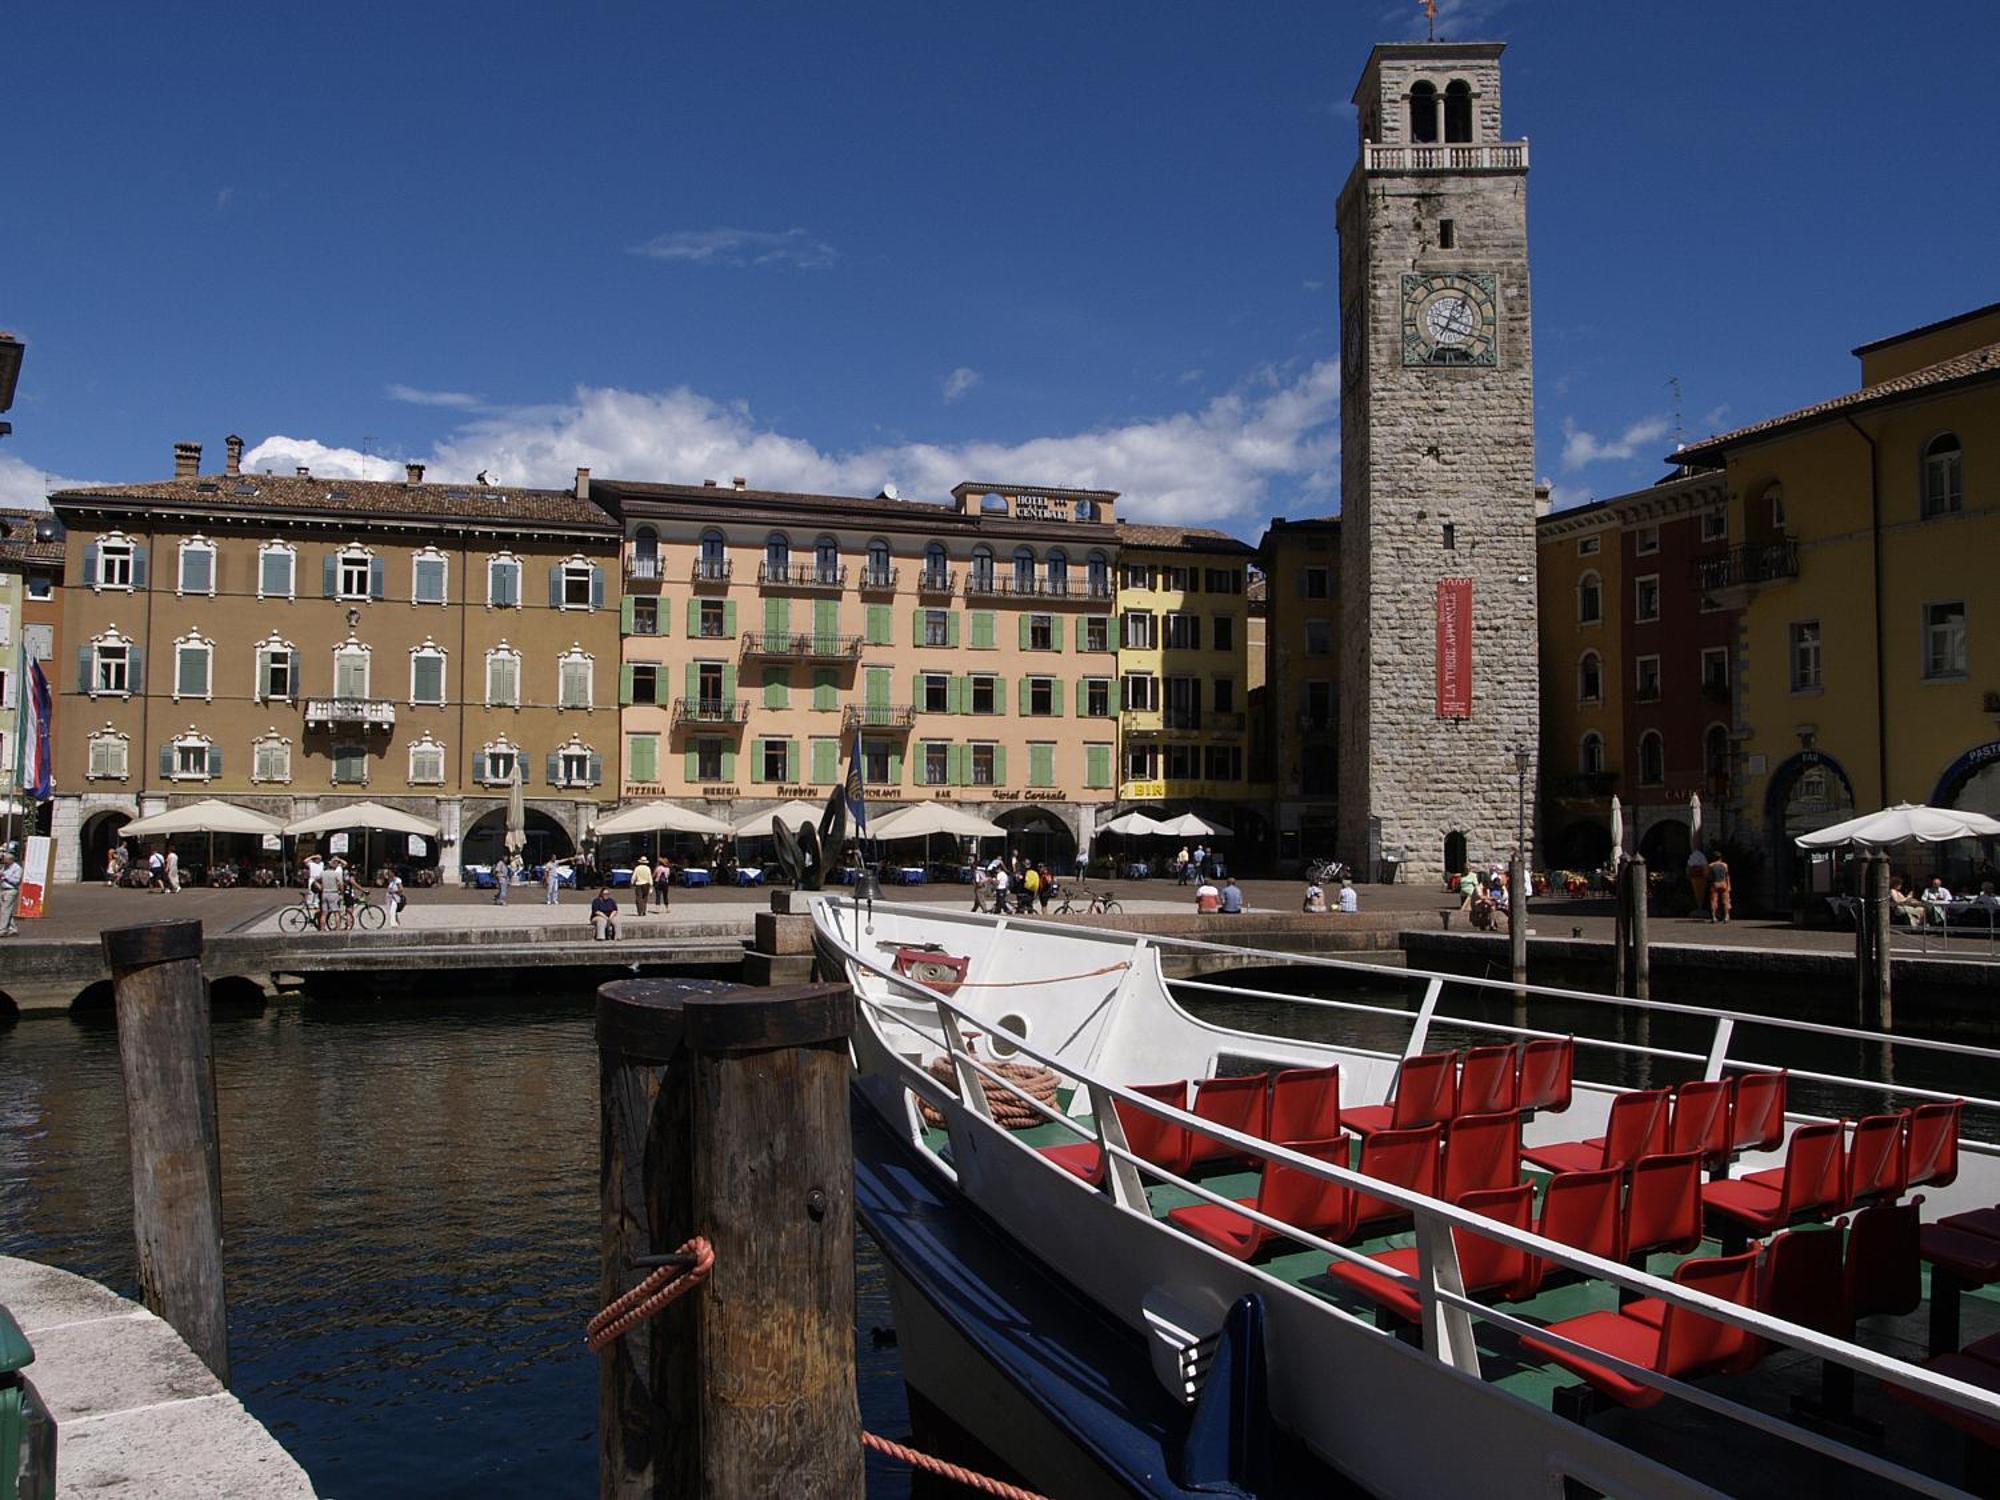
x: 1544, y: 497
x: 233, y: 446
x: 413, y: 473
x: 187, y: 460
x: 303, y: 472
x: 740, y: 482
x: 583, y: 484
x: 708, y: 484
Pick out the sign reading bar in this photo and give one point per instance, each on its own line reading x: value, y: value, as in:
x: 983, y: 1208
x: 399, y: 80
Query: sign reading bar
x: 1454, y: 648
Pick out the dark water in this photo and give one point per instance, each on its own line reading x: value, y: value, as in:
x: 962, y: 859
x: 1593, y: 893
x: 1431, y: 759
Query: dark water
x: 410, y: 1200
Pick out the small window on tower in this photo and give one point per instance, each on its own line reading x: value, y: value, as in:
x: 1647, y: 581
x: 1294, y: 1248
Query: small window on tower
x: 1450, y: 536
x: 1447, y: 234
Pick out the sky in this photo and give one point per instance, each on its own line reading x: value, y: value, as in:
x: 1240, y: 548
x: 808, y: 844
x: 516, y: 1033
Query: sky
x: 829, y: 247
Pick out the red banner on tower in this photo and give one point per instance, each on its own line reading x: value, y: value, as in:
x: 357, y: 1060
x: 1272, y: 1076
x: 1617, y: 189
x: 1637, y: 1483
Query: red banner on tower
x: 1454, y: 648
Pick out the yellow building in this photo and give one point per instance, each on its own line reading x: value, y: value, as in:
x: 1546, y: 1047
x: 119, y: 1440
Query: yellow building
x: 1183, y: 647
x: 1580, y: 581
x: 1301, y: 564
x: 1866, y: 533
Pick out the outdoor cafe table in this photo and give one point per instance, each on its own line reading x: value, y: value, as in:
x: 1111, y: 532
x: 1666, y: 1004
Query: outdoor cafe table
x: 749, y: 875
x: 1139, y: 869
x: 693, y: 875
x: 907, y: 874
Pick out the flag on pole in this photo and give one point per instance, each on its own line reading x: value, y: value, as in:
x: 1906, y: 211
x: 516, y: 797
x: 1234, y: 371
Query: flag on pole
x: 857, y: 804
x: 37, y: 773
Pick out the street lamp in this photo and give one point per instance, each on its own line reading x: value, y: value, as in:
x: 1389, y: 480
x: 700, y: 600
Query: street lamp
x: 11, y: 351
x: 1521, y: 801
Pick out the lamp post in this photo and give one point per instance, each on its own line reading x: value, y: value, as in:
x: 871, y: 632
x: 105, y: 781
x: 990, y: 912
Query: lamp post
x: 1521, y: 800
x: 11, y: 352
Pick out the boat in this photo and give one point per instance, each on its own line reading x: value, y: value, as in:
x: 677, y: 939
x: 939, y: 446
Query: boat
x: 1609, y: 1275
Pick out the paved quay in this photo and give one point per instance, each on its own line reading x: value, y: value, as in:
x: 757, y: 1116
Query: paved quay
x: 138, y: 1415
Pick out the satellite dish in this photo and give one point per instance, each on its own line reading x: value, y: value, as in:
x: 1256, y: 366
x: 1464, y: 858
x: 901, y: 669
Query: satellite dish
x: 889, y: 492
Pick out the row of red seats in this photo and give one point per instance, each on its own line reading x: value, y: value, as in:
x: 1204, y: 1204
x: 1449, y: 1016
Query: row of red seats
x: 1964, y: 1252
x: 1434, y: 1088
x: 1714, y: 1118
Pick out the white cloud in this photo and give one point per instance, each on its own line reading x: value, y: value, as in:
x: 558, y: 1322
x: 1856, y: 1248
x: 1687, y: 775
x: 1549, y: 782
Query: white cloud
x: 415, y: 396
x: 223, y: 197
x: 1581, y: 448
x: 959, y: 382
x: 21, y: 483
x: 740, y: 247
x: 1214, y: 465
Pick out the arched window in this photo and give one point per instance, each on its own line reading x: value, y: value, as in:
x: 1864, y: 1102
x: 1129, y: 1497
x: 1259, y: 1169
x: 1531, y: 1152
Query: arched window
x: 1774, y: 503
x: 1589, y: 599
x: 880, y: 574
x: 1590, y: 755
x: 1590, y: 678
x: 826, y: 560
x: 714, y: 557
x: 1652, y: 758
x: 1715, y: 759
x: 937, y: 567
x: 993, y: 504
x: 1058, y: 572
x: 777, y: 556
x: 646, y: 553
x: 981, y: 580
x: 1944, y: 480
x: 1457, y: 111
x: 1423, y: 112
x: 1024, y: 570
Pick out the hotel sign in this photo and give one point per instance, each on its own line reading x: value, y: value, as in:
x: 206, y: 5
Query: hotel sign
x: 1454, y: 648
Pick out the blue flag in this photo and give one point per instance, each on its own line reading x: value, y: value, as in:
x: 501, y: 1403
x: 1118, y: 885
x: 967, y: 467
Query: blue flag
x: 38, y: 773
x: 857, y: 804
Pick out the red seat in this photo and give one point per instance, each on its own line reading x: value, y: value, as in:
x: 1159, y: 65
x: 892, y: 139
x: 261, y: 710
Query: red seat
x: 1811, y: 1181
x: 1165, y: 1143
x: 1884, y: 1263
x: 1803, y: 1282
x: 1407, y: 1158
x: 1877, y: 1158
x: 1971, y: 1370
x: 1306, y: 1202
x: 1548, y: 1067
x: 1425, y: 1094
x: 1584, y: 1211
x: 1481, y: 1152
x: 1489, y: 1080
x: 1984, y: 1221
x: 1485, y: 1267
x: 1660, y: 1336
x: 1757, y: 1112
x: 1637, y: 1127
x: 1701, y: 1120
x: 1241, y: 1104
x: 1305, y: 1105
x: 1663, y: 1210
x: 1933, y: 1144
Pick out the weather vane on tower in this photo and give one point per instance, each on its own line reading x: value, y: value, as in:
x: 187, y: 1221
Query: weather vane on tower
x: 1431, y: 15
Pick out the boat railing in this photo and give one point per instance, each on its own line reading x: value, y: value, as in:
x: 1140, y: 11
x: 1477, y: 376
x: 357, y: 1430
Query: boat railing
x: 1445, y: 1313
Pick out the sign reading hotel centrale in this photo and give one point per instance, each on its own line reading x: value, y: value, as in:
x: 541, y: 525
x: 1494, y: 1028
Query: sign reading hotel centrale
x: 1454, y: 648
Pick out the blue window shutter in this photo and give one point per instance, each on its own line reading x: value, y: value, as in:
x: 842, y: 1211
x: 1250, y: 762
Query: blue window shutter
x: 167, y: 762
x: 83, y: 682
x: 378, y: 578
x: 554, y: 768
x: 215, y: 760
x: 596, y: 587
x: 138, y: 567
x: 135, y: 671
x: 596, y: 768
x: 329, y: 576
x: 555, y: 585
x: 473, y: 770
x: 90, y: 563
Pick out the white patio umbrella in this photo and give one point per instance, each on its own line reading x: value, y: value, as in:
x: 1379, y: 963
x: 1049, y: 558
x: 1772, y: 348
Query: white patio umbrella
x: 1617, y: 830
x: 206, y: 816
x: 1132, y: 823
x: 1188, y: 825
x: 1905, y: 823
x: 924, y: 818
x: 517, y: 816
x: 791, y: 814
x: 372, y: 815
x: 659, y: 816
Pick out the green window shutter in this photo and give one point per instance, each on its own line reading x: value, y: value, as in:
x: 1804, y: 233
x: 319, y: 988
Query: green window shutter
x: 880, y: 631
x: 957, y: 695
x: 642, y: 757
x: 1097, y: 765
x: 691, y: 682
x: 826, y: 692
x: 951, y: 627
x: 625, y: 683
x: 793, y: 765
x: 958, y: 764
x: 895, y: 768
x: 694, y: 617
x: 877, y: 688
x: 757, y: 760
x: 1082, y: 697
x: 1056, y: 697
x: 982, y: 630
x: 729, y: 618
x: 728, y: 765
x: 664, y: 614
x: 826, y: 762
x: 777, y: 617
x: 777, y: 687
x: 1025, y: 632
x: 729, y: 682
x: 627, y: 609
x: 999, y: 765
x: 999, y: 695
x: 1021, y: 694
x: 826, y: 619
x: 693, y: 768
x: 917, y: 691
x: 916, y: 627
x: 1041, y: 765
x: 1056, y: 633
x: 1116, y: 633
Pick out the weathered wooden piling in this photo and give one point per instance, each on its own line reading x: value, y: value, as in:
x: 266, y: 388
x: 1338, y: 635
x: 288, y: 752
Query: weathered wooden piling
x: 1517, y: 915
x: 1877, y: 912
x: 169, y: 1069
x: 725, y: 1115
x: 1642, y: 960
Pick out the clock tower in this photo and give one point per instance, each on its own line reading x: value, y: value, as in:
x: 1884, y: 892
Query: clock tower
x: 1437, y: 466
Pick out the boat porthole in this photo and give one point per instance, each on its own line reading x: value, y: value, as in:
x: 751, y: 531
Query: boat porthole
x: 1003, y: 1044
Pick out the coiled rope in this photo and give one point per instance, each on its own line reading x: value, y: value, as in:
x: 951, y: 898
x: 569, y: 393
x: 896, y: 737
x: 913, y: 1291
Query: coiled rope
x: 1008, y: 1108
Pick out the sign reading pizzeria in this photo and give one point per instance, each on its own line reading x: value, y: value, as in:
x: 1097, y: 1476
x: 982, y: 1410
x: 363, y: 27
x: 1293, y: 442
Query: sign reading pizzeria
x: 1454, y: 648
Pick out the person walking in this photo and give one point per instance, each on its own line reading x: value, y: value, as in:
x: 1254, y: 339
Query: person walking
x: 396, y: 900
x: 10, y: 893
x: 503, y: 872
x: 156, y: 872
x: 551, y: 883
x: 1718, y: 887
x: 173, y: 871
x: 642, y: 885
x: 663, y: 882
x: 1031, y: 882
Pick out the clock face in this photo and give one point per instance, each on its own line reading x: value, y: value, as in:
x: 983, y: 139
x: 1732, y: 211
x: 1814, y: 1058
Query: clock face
x: 1450, y: 318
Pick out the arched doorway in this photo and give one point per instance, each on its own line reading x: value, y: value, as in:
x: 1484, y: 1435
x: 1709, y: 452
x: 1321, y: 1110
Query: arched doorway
x: 1454, y: 853
x: 486, y: 839
x: 1040, y: 835
x: 1972, y: 782
x: 1811, y: 790
x: 100, y: 831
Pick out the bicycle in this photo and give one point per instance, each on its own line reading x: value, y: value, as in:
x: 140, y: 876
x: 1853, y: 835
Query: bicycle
x: 1328, y: 872
x: 365, y: 914
x: 1101, y: 903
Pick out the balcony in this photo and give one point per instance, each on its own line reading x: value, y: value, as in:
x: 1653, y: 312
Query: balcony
x: 642, y: 569
x: 879, y: 580
x: 1490, y: 156
x: 937, y: 581
x: 801, y: 646
x: 811, y: 578
x: 1732, y: 576
x: 1005, y: 584
x: 370, y: 714
x: 713, y: 571
x: 711, y: 710
x: 878, y: 716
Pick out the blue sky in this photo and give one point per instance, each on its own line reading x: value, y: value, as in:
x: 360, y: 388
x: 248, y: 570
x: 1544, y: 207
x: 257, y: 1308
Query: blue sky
x: 832, y: 246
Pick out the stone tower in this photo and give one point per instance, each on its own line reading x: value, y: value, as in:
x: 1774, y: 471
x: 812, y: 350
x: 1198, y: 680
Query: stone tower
x: 1437, y: 467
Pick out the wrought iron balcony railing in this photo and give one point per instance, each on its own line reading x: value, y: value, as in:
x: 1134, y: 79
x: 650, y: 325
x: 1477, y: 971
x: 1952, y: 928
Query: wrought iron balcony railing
x: 1747, y: 566
x: 710, y: 570
x: 805, y: 645
x: 878, y: 580
x: 641, y: 569
x: 808, y: 576
x: 878, y: 716
x: 711, y: 710
x: 937, y: 581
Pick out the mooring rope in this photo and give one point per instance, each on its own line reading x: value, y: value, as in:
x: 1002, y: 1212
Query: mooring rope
x: 1015, y: 984
x: 1005, y: 1106
x: 687, y: 1269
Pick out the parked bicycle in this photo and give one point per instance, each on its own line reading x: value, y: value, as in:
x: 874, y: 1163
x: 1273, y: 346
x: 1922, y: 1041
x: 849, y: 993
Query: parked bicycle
x: 365, y: 913
x: 1328, y: 872
x: 1095, y: 903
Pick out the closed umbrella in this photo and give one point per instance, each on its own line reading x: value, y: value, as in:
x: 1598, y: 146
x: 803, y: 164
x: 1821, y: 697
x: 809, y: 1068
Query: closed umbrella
x: 1617, y: 831
x: 1905, y: 823
x: 517, y: 815
x: 1694, y: 818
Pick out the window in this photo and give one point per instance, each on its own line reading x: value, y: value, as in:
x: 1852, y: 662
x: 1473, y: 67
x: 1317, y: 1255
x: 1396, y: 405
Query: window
x: 110, y: 755
x: 581, y: 586
x: 1457, y: 112
x: 1223, y: 580
x: 1423, y: 112
x: 1135, y: 576
x: 1319, y: 583
x: 1944, y: 640
x: 1944, y: 482
x: 937, y: 568
x: 1096, y: 633
x: 1183, y: 762
x: 937, y: 763
x: 985, y: 695
x: 714, y: 561
x: 1142, y: 762
x: 646, y: 615
x: 1136, y: 631
x: 575, y: 670
x: 190, y: 757
x: 937, y: 627
x: 111, y: 666
x: 427, y: 763
x: 271, y: 758
x: 427, y: 577
x: 1098, y: 571
x: 1041, y: 763
x: 1024, y: 570
x: 985, y: 765
x: 41, y: 586
x: 503, y: 581
x: 936, y: 693
x: 777, y: 760
x: 1715, y: 672
x: 777, y: 555
x: 878, y: 763
x: 575, y: 765
x: 1590, y: 678
x: 1646, y: 597
x: 1589, y: 599
x: 1183, y: 695
x: 353, y: 573
x: 277, y: 571
x: 1223, y: 762
x: 708, y: 753
x: 193, y: 658
x: 1183, y: 632
x: 1588, y: 546
x: 645, y: 682
x: 1319, y: 707
x: 714, y: 689
x: 277, y: 669
x: 1056, y: 573
x: 496, y: 763
x: 645, y: 553
x: 1447, y: 234
x: 712, y: 619
x: 1774, y: 498
x: 1319, y: 638
x: 1041, y: 697
x: 1652, y: 758
x: 350, y: 765
x: 1141, y: 692
x: 503, y: 677
x: 1714, y: 525
x: 1647, y: 670
x: 197, y: 566
x: 1646, y: 541
x: 880, y: 575
x: 1805, y: 657
x: 115, y: 563
x: 1097, y: 765
x: 642, y: 758
x: 1041, y: 633
x: 1224, y: 692
x: 1224, y: 638
x: 826, y: 560
x: 1590, y: 754
x: 350, y: 669
x: 1097, y: 697
x: 981, y: 577
x: 427, y: 674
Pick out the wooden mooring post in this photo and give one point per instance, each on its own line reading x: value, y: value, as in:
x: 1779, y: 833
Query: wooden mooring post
x: 165, y: 1054
x: 1877, y: 998
x: 1630, y: 958
x: 724, y: 1114
x: 1517, y: 916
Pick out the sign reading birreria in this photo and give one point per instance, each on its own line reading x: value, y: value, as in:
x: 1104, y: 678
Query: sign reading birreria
x: 1454, y: 648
